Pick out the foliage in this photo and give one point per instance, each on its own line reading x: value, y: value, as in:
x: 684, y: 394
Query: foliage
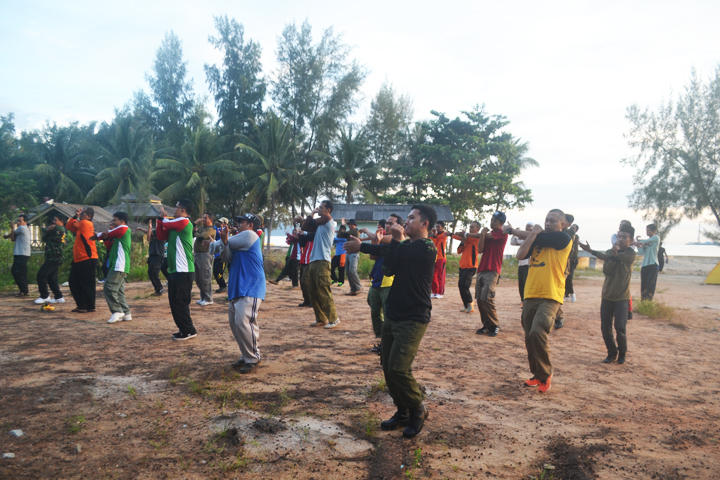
x: 677, y: 157
x: 17, y: 195
x: 653, y: 309
x: 352, y: 165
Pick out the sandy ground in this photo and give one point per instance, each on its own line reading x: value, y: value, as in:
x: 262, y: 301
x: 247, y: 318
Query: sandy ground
x: 125, y: 401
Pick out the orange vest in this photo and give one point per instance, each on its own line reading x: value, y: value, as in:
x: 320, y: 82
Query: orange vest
x: 83, y: 248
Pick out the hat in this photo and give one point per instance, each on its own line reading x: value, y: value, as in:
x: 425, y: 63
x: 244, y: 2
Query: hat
x: 223, y: 220
x: 352, y: 221
x: 249, y: 217
x: 628, y: 229
x: 500, y: 216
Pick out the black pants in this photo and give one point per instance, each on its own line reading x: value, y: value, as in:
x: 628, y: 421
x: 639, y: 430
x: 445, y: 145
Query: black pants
x: 648, y: 281
x: 82, y: 283
x: 19, y: 272
x: 154, y: 264
x: 619, y: 310
x: 218, y: 271
x: 290, y: 270
x: 335, y: 263
x: 163, y: 268
x: 522, y: 278
x: 48, y: 275
x: 179, y: 288
x: 464, y: 284
x: 572, y: 263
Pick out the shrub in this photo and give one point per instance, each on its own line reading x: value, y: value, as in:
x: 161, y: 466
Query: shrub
x: 653, y: 309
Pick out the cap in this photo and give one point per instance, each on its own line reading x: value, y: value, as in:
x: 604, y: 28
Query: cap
x: 500, y: 216
x: 628, y: 229
x: 223, y: 220
x: 249, y: 217
x: 352, y: 221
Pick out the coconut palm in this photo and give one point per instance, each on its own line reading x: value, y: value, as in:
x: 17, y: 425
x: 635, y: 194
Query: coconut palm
x: 512, y: 161
x: 353, y: 166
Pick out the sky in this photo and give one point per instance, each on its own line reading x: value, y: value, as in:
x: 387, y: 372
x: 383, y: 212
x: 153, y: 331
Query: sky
x: 562, y: 72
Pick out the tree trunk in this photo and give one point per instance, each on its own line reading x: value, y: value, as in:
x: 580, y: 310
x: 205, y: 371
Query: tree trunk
x: 270, y: 222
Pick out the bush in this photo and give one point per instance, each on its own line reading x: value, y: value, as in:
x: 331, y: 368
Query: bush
x: 653, y: 309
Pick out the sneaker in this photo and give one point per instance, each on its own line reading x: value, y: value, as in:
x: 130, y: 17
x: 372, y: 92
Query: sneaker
x: 559, y: 324
x: 621, y: 359
x: 57, y: 300
x: 493, y: 332
x: 400, y: 419
x: 116, y: 317
x: 249, y: 367
x: 303, y: 304
x: 472, y: 308
x: 340, y: 284
x: 466, y: 309
x: 274, y: 282
x: 238, y: 364
x: 545, y: 386
x: 334, y: 282
x: 533, y: 382
x: 483, y: 331
x: 334, y: 324
x: 127, y: 317
x: 610, y: 359
x: 101, y: 281
x: 183, y: 336
x: 317, y: 324
x: 199, y: 301
x: 205, y: 303
x: 158, y: 294
x: 376, y: 349
x: 417, y: 419
x: 572, y: 297
x: 566, y: 299
x: 221, y: 290
x: 165, y: 283
x: 21, y: 294
x: 433, y: 295
x: 437, y: 295
x: 40, y: 301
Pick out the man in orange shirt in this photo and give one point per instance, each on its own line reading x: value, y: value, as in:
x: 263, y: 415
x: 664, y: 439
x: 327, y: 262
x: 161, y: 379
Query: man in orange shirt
x: 85, y: 257
x: 468, y: 249
x: 439, y: 238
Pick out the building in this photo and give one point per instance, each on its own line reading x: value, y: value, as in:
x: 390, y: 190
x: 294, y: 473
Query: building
x: 369, y: 215
x: 140, y: 209
x: 45, y: 211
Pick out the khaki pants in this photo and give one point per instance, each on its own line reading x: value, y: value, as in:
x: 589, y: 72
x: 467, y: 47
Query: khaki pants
x: 485, y: 284
x: 377, y: 297
x: 203, y: 275
x: 538, y: 320
x: 319, y: 281
x: 114, y: 290
x: 400, y: 343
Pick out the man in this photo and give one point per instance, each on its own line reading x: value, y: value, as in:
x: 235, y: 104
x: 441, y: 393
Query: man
x: 468, y: 249
x: 351, y: 259
x: 439, y: 238
x: 85, y: 258
x: 617, y: 267
x: 412, y: 262
x: 649, y: 269
x: 20, y: 234
x: 119, y: 266
x: 181, y: 268
x: 54, y: 239
x: 305, y: 243
x: 548, y: 250
x: 218, y: 268
x: 246, y: 279
x: 204, y: 234
x: 338, y: 260
x: 492, y: 246
x: 523, y: 265
x: 573, y: 259
x: 318, y: 273
x: 292, y: 260
x: 613, y: 241
x: 156, y: 255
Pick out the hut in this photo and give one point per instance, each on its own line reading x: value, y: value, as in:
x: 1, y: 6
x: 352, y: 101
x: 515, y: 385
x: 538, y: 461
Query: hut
x: 369, y: 215
x: 140, y: 209
x: 45, y: 211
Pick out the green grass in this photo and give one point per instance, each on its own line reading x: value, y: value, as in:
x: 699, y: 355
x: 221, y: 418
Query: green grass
x: 131, y: 390
x: 371, y: 423
x: 377, y: 386
x: 653, y: 309
x: 75, y: 424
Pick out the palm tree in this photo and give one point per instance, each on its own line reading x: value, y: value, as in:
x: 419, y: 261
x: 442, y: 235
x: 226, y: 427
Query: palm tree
x: 353, y: 166
x: 200, y: 166
x: 512, y: 161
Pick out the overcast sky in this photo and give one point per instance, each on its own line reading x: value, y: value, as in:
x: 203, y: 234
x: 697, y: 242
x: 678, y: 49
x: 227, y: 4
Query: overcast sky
x: 563, y: 73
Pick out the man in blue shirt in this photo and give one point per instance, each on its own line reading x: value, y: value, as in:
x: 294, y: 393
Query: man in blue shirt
x: 649, y: 270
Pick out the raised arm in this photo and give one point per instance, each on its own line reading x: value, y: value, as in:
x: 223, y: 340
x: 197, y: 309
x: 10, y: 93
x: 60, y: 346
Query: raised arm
x: 525, y: 249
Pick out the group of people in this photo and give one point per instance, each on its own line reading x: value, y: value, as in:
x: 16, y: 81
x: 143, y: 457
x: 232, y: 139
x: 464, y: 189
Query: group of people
x: 408, y: 272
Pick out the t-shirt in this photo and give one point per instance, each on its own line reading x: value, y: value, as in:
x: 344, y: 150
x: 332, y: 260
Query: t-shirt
x: 83, y: 248
x: 178, y: 233
x: 650, y: 250
x: 54, y: 244
x: 202, y: 234
x: 548, y: 259
x: 469, y: 252
x: 156, y: 247
x: 322, y: 248
x: 492, y: 256
x: 119, y: 257
x: 306, y: 242
x: 439, y: 241
x: 22, y: 241
x: 339, y: 246
x: 243, y: 254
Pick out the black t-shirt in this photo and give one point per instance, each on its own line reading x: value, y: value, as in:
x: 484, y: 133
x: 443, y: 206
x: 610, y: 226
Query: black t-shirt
x: 413, y: 265
x: 156, y: 247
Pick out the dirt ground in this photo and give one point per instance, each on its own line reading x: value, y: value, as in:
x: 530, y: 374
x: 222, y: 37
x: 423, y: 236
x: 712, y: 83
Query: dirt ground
x: 125, y: 401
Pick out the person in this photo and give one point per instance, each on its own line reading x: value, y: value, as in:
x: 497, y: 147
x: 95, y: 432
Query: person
x: 204, y: 234
x: 318, y: 273
x: 412, y: 262
x: 291, y: 261
x: 649, y: 268
x: 523, y: 265
x: 54, y: 238
x: 218, y: 267
x: 156, y: 256
x: 468, y: 250
x: 305, y: 242
x: 118, y: 266
x: 662, y: 257
x: 439, y: 238
x: 572, y: 260
x: 246, y: 286
x: 178, y: 233
x: 548, y: 251
x: 20, y: 234
x: 617, y: 267
x: 351, y: 260
x: 613, y: 241
x: 85, y: 258
x: 338, y: 260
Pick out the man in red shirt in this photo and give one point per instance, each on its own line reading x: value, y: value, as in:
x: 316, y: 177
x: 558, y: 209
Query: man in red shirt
x: 492, y: 245
x: 439, y: 238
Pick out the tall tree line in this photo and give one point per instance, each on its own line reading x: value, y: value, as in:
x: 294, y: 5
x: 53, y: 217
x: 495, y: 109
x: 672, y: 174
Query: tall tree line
x: 276, y: 143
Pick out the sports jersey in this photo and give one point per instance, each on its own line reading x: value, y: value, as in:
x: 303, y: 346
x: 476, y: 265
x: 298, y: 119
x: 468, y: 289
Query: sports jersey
x: 179, y: 235
x: 119, y: 258
x: 548, y: 258
x: 469, y: 252
x: 83, y: 248
x: 492, y: 257
x: 439, y: 241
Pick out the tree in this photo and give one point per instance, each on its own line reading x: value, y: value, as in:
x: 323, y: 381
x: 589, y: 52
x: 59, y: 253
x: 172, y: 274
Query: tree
x: 352, y: 165
x: 511, y: 162
x: 9, y: 145
x: 677, y: 155
x: 237, y: 86
x: 17, y: 195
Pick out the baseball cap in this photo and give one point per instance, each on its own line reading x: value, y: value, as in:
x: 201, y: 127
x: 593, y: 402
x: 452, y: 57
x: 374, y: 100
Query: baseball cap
x: 223, y: 220
x: 249, y: 217
x: 352, y: 221
x: 500, y: 216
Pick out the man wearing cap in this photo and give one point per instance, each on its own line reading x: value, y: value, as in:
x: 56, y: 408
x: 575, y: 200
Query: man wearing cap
x: 204, y: 233
x: 218, y: 265
x: 246, y: 285
x: 351, y: 259
x: 617, y: 267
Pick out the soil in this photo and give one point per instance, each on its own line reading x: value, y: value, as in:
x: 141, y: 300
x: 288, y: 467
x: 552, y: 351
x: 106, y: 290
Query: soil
x: 125, y: 401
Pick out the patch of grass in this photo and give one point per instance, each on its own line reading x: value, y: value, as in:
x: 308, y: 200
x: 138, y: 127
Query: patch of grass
x: 75, y: 424
x: 655, y: 310
x: 197, y: 387
x: 131, y: 390
x: 245, y: 401
x: 305, y: 434
x: 409, y: 474
x: 177, y: 372
x: 678, y: 325
x: 157, y: 445
x: 418, y: 457
x: 284, y: 397
x: 159, y: 405
x: 240, y: 461
x: 370, y: 423
x: 377, y: 386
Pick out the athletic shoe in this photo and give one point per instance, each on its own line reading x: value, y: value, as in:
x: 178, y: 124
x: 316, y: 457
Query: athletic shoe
x: 158, y: 294
x: 303, y: 304
x: 559, y: 324
x: 621, y: 359
x: 438, y: 296
x: 483, y: 331
x: 376, y: 349
x: 21, y: 294
x: 493, y: 332
x: 472, y: 308
x: 101, y: 281
x: 334, y: 282
x: 609, y: 359
x: 334, y: 324
x: 433, y: 295
x: 57, y: 300
x: 222, y: 290
x: 41, y: 300
x: 545, y: 386
x: 116, y: 317
x: 317, y: 324
x: 340, y: 284
x: 418, y: 416
x: 573, y: 297
x: 199, y: 301
x: 274, y: 282
x: 400, y: 419
x: 354, y: 293
x: 466, y: 309
x: 249, y: 367
x: 183, y: 336
x: 127, y: 317
x: 238, y: 364
x: 205, y: 303
x: 533, y: 382
x: 566, y: 299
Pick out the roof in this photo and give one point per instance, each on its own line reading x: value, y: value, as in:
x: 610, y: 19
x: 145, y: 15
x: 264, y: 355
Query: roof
x: 143, y: 210
x: 41, y: 213
x: 135, y: 198
x: 376, y: 212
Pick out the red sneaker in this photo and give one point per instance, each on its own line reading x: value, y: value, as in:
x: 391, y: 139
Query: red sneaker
x: 533, y: 382
x: 545, y: 386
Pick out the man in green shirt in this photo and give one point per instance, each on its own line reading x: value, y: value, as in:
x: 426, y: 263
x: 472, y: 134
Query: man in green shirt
x: 204, y: 234
x: 617, y: 267
x: 649, y: 270
x: 54, y: 238
x: 118, y: 266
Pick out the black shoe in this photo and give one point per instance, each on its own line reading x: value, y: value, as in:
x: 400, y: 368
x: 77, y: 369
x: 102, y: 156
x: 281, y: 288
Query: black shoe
x: 376, y: 349
x: 559, y: 324
x: 493, y: 332
x: 400, y: 419
x: 249, y: 367
x: 621, y: 359
x: 221, y: 290
x: 483, y: 331
x: 303, y: 305
x: 418, y: 416
x: 611, y: 358
x: 629, y: 315
x: 183, y: 336
x: 239, y: 364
